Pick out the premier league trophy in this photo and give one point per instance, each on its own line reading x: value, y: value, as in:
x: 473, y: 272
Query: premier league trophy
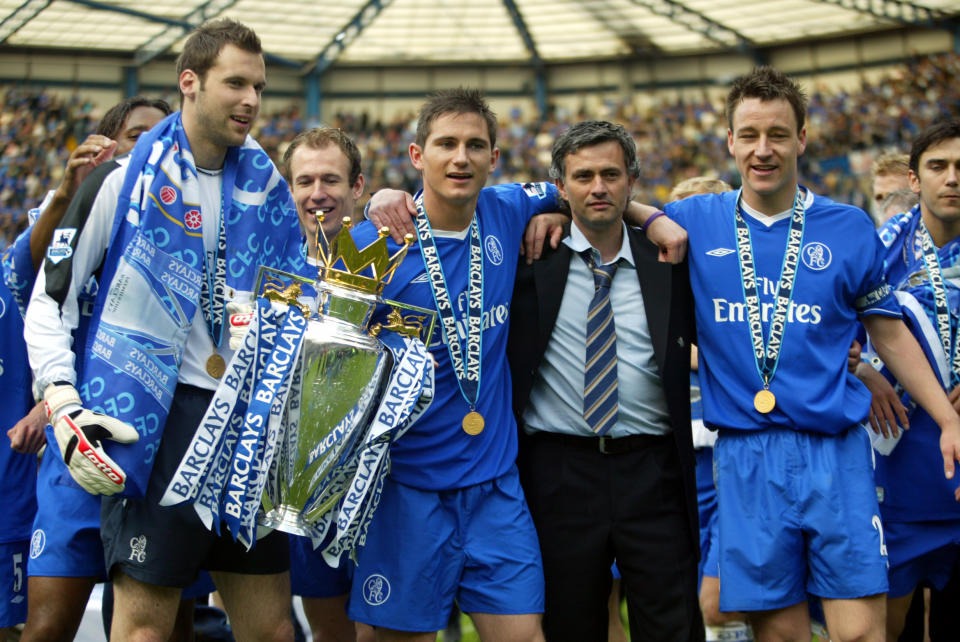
x: 311, y: 402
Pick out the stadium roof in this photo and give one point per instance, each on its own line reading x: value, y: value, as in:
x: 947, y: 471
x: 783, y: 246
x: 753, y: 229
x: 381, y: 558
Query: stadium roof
x: 313, y: 34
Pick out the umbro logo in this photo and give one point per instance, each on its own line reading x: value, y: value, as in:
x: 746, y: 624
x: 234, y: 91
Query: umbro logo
x: 720, y: 251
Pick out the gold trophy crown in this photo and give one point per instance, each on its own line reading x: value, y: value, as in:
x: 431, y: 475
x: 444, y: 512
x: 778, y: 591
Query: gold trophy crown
x: 367, y: 270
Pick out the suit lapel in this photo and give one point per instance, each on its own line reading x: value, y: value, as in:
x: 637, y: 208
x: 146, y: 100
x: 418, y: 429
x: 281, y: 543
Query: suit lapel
x: 550, y: 276
x: 655, y: 286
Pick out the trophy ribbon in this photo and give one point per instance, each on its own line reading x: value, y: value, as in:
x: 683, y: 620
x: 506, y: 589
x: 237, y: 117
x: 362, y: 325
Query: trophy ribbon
x: 286, y: 466
x: 189, y: 478
x: 201, y: 475
x: 468, y: 374
x: 265, y: 468
x: 247, y: 469
x: 364, y: 471
x: 767, y: 353
x: 212, y: 492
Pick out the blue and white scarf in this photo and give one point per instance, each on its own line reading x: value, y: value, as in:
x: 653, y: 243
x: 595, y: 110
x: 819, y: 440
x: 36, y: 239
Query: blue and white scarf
x: 155, y: 271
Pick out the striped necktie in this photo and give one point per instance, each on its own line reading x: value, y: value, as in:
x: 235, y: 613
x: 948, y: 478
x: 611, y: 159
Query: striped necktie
x: 600, y: 375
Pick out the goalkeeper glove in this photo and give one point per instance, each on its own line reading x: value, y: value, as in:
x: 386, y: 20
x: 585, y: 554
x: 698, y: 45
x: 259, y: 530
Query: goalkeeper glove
x: 79, y: 432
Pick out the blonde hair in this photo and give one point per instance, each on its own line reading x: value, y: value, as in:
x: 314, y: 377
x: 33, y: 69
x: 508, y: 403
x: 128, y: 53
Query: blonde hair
x: 698, y: 185
x: 890, y: 165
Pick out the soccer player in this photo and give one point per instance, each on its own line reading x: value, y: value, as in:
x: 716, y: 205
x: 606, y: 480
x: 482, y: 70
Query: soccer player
x: 188, y: 218
x: 17, y: 469
x: 452, y: 523
x: 322, y: 166
x: 66, y: 557
x: 921, y: 516
x: 887, y: 174
x: 779, y: 285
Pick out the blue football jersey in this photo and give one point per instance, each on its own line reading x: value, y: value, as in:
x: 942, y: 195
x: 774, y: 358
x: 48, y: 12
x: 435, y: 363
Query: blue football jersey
x: 839, y: 276
x: 18, y: 472
x: 19, y: 276
x: 436, y: 454
x: 911, y: 476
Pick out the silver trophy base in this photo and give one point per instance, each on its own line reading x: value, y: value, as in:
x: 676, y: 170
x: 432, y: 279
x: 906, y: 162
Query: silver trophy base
x: 285, y: 518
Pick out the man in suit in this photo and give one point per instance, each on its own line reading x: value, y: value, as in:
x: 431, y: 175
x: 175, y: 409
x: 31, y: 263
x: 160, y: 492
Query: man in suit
x: 600, y: 354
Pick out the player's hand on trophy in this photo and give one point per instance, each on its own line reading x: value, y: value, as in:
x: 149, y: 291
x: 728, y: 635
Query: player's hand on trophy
x: 240, y: 314
x: 79, y: 434
x: 394, y: 209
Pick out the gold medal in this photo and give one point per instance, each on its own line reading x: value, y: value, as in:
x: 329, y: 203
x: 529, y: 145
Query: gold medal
x: 216, y: 366
x: 764, y: 401
x: 473, y: 423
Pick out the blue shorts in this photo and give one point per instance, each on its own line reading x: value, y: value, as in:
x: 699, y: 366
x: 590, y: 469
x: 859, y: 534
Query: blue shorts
x: 425, y: 549
x: 13, y: 579
x: 798, y: 514
x: 921, y: 552
x: 707, y: 509
x: 311, y: 576
x: 66, y: 530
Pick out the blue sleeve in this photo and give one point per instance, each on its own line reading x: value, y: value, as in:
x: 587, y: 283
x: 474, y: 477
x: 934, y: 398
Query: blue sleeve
x: 527, y: 199
x: 19, y: 274
x: 875, y: 295
x: 679, y: 211
x: 675, y: 212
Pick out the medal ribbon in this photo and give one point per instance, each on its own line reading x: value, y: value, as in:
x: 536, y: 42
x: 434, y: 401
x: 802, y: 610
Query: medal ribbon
x: 767, y: 353
x: 468, y: 376
x: 931, y: 260
x: 214, y: 287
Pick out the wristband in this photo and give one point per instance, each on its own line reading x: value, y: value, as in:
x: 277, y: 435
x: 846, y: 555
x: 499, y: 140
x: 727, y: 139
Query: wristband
x: 652, y: 218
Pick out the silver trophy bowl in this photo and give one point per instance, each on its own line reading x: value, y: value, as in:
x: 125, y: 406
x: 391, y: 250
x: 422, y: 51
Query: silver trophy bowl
x: 343, y: 371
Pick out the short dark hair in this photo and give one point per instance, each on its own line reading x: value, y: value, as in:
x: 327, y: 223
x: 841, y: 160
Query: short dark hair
x: 111, y: 125
x: 204, y: 45
x: 455, y: 101
x: 587, y: 134
x: 932, y: 135
x: 766, y: 83
x: 318, y: 138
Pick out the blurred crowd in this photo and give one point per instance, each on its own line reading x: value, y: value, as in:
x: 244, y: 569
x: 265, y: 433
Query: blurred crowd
x: 676, y: 139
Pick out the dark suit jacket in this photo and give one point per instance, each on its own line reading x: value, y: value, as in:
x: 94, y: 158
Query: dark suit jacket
x: 669, y: 307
